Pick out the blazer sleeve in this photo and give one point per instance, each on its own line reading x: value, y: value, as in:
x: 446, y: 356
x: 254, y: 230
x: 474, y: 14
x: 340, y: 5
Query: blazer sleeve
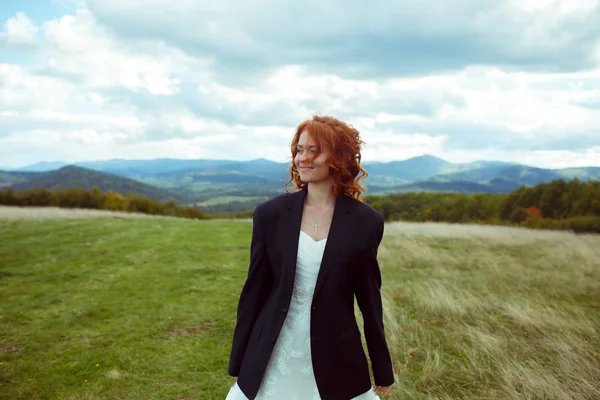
x: 254, y: 294
x: 367, y: 285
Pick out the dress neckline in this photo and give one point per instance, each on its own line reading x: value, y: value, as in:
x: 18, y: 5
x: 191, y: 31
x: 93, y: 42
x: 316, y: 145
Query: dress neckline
x: 311, y: 239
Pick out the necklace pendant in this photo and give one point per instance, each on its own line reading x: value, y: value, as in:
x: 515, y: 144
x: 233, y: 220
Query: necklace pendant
x: 316, y: 227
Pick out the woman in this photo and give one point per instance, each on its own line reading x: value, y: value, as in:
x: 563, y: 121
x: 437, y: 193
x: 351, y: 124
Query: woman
x: 312, y: 251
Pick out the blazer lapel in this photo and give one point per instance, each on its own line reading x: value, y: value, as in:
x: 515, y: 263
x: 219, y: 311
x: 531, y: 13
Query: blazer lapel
x: 341, y: 224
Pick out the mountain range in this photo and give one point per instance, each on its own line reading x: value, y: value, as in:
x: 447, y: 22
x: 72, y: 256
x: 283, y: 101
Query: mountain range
x: 209, y: 182
x: 82, y: 178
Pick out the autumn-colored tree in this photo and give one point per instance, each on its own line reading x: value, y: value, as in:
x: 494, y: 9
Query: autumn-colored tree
x: 114, y: 201
x: 534, y: 212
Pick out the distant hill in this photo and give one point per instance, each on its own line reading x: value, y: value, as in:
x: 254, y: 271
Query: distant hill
x: 83, y: 178
x: 201, y: 181
x: 583, y: 173
x: 132, y: 168
x: 510, y: 175
x: 504, y: 177
x: 43, y: 166
x: 151, y: 168
x: 478, y: 171
x: 433, y: 186
x: 9, y: 178
x: 413, y: 169
x: 527, y: 176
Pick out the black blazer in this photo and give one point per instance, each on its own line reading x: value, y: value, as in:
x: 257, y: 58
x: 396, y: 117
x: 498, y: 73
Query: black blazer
x: 349, y: 268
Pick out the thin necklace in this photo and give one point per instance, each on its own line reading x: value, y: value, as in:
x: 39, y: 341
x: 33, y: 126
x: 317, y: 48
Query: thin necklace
x: 316, y: 225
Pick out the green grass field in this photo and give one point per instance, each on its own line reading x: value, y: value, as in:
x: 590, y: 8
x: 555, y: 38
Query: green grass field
x: 144, y: 308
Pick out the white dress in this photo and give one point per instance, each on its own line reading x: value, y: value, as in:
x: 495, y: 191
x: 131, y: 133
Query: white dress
x: 289, y: 374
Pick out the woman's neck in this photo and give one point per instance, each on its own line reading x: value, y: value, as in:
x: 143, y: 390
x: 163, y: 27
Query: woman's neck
x: 319, y: 195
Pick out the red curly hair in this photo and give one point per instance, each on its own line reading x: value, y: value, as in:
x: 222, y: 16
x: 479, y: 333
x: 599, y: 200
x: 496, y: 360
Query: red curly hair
x: 345, y: 145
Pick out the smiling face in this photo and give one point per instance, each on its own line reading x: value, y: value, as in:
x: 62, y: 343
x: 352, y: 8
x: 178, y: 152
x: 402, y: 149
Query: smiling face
x: 317, y: 170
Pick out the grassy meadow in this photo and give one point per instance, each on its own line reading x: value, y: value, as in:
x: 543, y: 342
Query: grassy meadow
x: 106, y: 306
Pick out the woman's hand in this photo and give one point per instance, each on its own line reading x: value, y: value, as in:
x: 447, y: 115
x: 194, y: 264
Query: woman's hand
x: 382, y: 390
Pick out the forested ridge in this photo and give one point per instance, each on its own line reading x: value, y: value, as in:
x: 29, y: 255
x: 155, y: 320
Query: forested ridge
x: 559, y: 204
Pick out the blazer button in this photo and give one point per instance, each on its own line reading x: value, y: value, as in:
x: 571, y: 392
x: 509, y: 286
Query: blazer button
x: 314, y: 307
x: 272, y: 340
x: 285, y: 310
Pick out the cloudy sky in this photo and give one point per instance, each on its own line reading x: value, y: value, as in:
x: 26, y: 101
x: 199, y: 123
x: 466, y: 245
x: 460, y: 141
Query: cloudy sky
x: 463, y: 80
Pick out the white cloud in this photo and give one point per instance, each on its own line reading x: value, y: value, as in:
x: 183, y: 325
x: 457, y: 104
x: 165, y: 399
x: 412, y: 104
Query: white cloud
x: 379, y: 37
x: 539, y: 158
x: 18, y: 31
x: 164, y: 85
x: 76, y: 46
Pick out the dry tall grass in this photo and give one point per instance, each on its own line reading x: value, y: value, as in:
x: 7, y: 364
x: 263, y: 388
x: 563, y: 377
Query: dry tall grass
x: 486, y: 312
x: 9, y: 213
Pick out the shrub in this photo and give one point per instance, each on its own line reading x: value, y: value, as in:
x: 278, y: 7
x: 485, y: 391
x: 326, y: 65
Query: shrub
x: 518, y: 215
x: 9, y: 198
x: 544, y: 223
x: 35, y: 197
x: 588, y: 224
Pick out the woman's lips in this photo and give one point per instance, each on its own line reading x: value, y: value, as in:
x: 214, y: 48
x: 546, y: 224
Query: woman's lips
x: 305, y: 169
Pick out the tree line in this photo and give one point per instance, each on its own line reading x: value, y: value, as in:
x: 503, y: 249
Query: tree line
x: 113, y: 201
x: 559, y: 204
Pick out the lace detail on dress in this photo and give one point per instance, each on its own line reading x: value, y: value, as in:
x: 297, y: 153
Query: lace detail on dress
x: 290, y: 372
x: 291, y: 345
x: 303, y: 295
